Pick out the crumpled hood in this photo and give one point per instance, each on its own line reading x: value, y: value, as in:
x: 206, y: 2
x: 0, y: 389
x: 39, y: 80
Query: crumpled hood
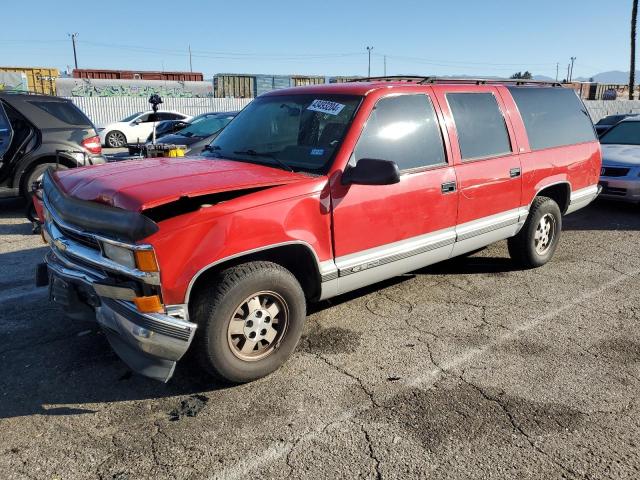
x: 621, y: 155
x: 141, y: 184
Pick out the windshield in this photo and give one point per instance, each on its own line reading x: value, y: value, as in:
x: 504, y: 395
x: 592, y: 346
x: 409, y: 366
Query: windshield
x: 625, y: 133
x: 204, y: 127
x: 131, y: 117
x: 297, y: 132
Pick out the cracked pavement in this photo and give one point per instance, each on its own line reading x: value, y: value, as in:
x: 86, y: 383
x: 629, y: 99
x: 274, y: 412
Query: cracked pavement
x: 466, y: 369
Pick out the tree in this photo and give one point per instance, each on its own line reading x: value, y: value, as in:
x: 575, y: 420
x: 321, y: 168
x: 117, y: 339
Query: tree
x: 524, y: 76
x: 632, y: 65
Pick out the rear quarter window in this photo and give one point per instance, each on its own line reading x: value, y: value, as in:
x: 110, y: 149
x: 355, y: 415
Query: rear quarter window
x: 63, y: 111
x: 553, y: 117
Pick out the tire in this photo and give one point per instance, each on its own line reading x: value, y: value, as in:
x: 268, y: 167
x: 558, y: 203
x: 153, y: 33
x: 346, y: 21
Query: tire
x: 536, y: 242
x: 115, y: 139
x: 229, y: 298
x: 34, y: 175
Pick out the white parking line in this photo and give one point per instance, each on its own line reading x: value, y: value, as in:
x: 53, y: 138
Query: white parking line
x: 278, y: 450
x: 430, y: 378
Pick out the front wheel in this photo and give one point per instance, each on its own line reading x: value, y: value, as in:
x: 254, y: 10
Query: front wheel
x: 249, y: 321
x: 536, y: 243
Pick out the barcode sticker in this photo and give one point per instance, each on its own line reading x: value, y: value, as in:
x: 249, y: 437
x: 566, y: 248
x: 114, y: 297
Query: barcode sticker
x: 326, y: 106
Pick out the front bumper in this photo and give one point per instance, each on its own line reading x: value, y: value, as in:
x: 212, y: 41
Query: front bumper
x: 149, y: 343
x: 626, y: 189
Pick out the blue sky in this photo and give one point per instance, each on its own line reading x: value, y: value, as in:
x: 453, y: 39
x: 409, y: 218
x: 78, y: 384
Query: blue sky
x: 490, y: 37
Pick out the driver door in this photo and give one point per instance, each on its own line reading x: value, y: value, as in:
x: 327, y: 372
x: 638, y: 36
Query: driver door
x: 385, y: 230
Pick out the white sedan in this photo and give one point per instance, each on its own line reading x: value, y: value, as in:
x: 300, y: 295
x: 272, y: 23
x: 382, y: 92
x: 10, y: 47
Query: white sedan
x: 135, y: 128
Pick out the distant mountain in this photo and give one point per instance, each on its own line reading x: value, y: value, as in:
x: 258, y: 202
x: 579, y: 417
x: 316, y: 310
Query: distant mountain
x: 613, y: 76
x: 544, y: 78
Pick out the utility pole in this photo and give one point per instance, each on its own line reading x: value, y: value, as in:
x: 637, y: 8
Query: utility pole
x: 568, y: 70
x: 385, y: 65
x: 573, y: 59
x: 190, y: 62
x: 632, y: 63
x: 369, y: 69
x: 73, y: 42
x: 557, y: 70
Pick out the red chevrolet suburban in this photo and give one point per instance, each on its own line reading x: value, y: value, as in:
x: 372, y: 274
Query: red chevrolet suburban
x: 309, y: 193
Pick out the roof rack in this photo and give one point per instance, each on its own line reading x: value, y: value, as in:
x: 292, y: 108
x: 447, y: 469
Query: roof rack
x: 390, y: 78
x: 465, y: 80
x: 484, y: 81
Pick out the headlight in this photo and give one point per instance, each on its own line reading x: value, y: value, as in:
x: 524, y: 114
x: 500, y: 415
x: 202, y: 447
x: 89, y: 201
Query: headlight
x: 118, y: 254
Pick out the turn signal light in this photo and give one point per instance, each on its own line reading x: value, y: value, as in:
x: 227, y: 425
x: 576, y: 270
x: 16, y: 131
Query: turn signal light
x: 146, y: 260
x: 150, y: 304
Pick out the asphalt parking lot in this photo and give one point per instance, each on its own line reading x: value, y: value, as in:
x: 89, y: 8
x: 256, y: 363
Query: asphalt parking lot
x: 468, y: 369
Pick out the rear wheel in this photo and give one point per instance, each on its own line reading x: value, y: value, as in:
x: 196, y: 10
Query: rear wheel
x: 249, y: 321
x: 34, y: 176
x: 536, y: 242
x: 116, y: 139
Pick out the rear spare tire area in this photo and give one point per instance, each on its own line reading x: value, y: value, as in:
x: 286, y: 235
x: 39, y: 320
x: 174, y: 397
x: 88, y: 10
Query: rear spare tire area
x: 250, y: 318
x: 538, y: 239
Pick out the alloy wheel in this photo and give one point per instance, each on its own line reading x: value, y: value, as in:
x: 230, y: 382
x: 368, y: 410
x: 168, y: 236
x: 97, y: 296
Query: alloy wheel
x: 257, y: 326
x: 545, y: 233
x: 117, y: 139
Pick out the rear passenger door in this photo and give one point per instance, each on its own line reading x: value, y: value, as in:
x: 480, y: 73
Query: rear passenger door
x: 487, y: 166
x: 385, y: 230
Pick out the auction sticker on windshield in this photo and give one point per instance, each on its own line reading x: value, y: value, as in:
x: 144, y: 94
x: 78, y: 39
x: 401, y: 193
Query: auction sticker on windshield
x: 326, y: 106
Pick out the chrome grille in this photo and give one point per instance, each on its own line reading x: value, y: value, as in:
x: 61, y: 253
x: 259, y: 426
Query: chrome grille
x: 85, y: 240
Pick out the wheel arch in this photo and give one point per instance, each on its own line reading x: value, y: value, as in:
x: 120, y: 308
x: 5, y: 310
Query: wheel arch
x: 559, y: 192
x: 27, y: 167
x: 297, y: 257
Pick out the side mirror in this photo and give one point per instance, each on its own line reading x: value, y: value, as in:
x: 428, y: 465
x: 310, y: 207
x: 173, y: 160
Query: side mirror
x: 370, y: 171
x: 137, y: 122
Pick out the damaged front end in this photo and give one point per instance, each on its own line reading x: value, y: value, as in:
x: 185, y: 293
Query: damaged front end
x: 111, y: 278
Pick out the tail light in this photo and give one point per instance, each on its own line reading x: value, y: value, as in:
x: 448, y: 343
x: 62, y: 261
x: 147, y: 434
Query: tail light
x: 92, y: 144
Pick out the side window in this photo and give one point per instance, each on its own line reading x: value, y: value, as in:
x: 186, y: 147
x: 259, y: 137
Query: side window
x: 553, y: 116
x: 169, y: 116
x: 63, y: 111
x: 404, y: 129
x: 6, y: 133
x: 143, y: 118
x: 480, y: 125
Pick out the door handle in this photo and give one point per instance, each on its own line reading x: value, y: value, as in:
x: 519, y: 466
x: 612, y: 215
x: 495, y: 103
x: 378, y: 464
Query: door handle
x: 514, y: 172
x: 448, y: 187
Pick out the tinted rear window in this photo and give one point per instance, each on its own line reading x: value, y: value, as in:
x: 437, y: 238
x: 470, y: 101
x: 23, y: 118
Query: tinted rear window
x: 553, y: 117
x: 63, y: 111
x: 480, y: 125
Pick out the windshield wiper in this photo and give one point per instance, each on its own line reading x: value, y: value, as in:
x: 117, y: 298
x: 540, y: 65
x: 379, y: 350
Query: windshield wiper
x: 253, y: 153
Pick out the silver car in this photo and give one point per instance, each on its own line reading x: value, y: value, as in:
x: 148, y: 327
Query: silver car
x: 620, y: 174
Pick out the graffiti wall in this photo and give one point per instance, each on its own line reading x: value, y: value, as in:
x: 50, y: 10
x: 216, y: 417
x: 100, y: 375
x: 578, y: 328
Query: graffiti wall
x: 83, y: 87
x: 13, y: 81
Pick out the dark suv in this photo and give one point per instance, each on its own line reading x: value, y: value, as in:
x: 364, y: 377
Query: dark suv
x: 39, y: 131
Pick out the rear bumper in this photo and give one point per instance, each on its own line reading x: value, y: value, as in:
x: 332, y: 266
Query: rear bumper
x: 149, y: 344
